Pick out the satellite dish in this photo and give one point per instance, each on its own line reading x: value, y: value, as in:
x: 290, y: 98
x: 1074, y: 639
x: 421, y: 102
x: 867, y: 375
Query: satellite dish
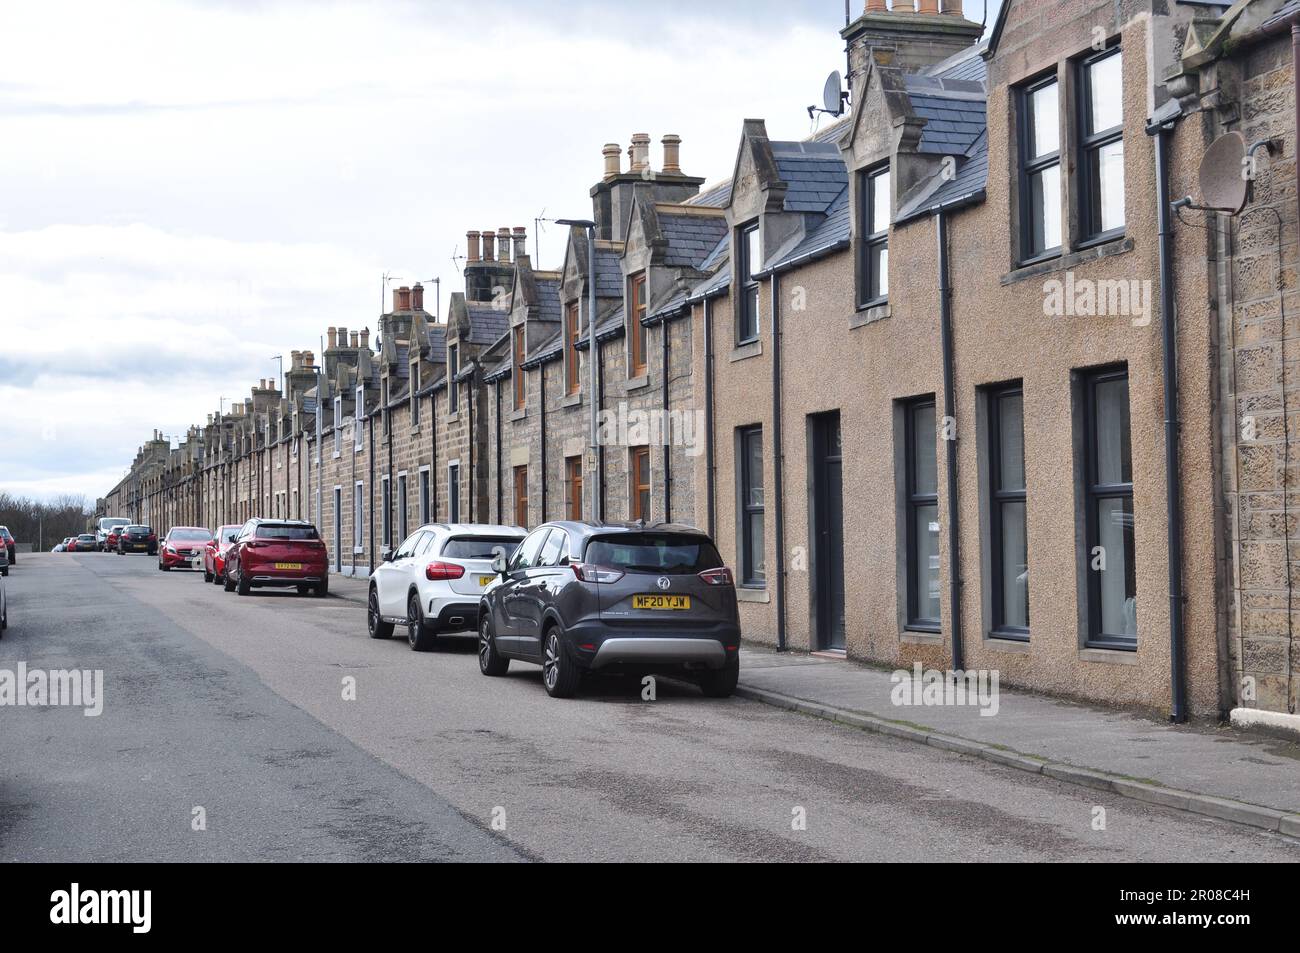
x: 1223, y: 182
x: 832, y: 98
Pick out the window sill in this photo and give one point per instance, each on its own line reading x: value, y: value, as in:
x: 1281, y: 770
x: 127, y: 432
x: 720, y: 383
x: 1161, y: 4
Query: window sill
x: 752, y: 594
x: 919, y: 636
x: 745, y: 351
x: 453, y: 417
x: 571, y: 400
x: 1005, y: 642
x: 639, y: 382
x: 516, y: 415
x: 1036, y: 269
x: 870, y: 315
x: 336, y: 454
x: 1111, y: 656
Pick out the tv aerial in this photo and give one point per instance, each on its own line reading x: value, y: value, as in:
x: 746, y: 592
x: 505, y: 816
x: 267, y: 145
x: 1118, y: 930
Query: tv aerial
x: 834, y: 97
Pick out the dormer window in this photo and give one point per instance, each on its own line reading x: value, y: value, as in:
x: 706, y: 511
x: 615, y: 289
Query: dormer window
x: 338, y: 425
x: 518, y: 359
x: 874, y: 216
x: 571, y: 333
x: 636, y: 308
x: 749, y: 262
x: 360, y: 412
x: 415, y: 389
x: 1101, y: 145
x: 1040, y: 169
x: 453, y: 369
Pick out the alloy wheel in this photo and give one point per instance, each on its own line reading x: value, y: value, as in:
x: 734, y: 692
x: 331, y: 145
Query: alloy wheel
x: 551, y: 664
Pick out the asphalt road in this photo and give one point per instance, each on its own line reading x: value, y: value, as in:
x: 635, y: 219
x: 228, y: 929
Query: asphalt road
x: 237, y: 706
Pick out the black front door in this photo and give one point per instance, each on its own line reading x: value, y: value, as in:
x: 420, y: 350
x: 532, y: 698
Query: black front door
x: 828, y: 530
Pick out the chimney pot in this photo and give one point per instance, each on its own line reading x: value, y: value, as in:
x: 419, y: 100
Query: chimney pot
x: 343, y: 337
x: 521, y: 242
x: 927, y: 6
x: 356, y: 341
x: 365, y: 338
x: 672, y: 154
x: 640, y: 152
x: 953, y: 7
x: 613, y: 154
x: 503, y: 244
x: 417, y: 297
x: 472, y: 244
x: 402, y: 299
x: 489, y: 245
x: 878, y: 6
x: 333, y: 337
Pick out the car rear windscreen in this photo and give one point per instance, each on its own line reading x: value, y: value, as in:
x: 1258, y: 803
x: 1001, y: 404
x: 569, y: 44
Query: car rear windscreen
x: 480, y: 547
x: 272, y: 531
x: 666, y: 553
x: 191, y: 535
x: 138, y: 529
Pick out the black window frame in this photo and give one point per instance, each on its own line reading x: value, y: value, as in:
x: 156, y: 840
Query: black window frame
x: 1029, y: 166
x: 453, y: 369
x: 747, y: 298
x: 1094, y: 492
x: 1089, y: 146
x: 999, y: 496
x: 747, y: 510
x: 870, y: 238
x: 914, y: 500
x: 453, y: 492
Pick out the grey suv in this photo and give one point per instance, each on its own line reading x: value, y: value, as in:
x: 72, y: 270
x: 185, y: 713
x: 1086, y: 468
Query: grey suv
x: 582, y: 597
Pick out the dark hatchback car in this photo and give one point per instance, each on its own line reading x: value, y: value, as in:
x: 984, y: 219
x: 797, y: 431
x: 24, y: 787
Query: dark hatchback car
x: 581, y: 597
x: 277, y: 554
x: 137, y: 539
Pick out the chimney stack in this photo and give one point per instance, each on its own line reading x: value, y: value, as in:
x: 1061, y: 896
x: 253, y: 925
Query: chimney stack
x: 308, y: 359
x: 613, y: 154
x: 295, y: 360
x: 489, y: 245
x: 877, y: 6
x: 343, y: 337
x: 672, y: 154
x: 953, y: 7
x: 333, y: 337
x: 640, y: 152
x: 417, y: 297
x: 365, y: 338
x: 521, y: 243
x: 402, y: 299
x: 503, y: 245
x: 471, y: 243
x: 356, y: 341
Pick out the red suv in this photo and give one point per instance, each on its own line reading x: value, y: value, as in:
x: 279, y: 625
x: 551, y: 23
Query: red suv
x: 214, y: 554
x: 182, y: 546
x: 278, y: 554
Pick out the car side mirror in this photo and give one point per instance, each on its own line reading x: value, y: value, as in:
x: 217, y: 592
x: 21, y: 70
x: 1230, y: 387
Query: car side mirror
x: 388, y: 555
x: 499, y: 564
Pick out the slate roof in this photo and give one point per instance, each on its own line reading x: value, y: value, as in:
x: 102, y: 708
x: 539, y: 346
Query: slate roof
x: 954, y: 110
x: 718, y: 254
x: 548, y: 300
x: 715, y: 196
x: 609, y: 274
x: 710, y: 287
x: 691, y: 238
x: 437, y: 343
x: 829, y: 235
x: 486, y: 323
x: 607, y: 330
x: 967, y: 64
x: 813, y: 172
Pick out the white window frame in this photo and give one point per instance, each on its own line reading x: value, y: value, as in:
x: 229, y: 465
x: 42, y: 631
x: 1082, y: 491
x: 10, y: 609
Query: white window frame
x: 358, y: 442
x: 358, y: 516
x: 424, y: 482
x: 338, y: 426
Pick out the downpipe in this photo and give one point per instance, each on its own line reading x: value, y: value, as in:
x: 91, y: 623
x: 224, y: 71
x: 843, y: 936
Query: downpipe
x: 778, y: 467
x: 950, y: 441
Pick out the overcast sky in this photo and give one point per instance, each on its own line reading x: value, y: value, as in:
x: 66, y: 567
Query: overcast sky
x: 190, y: 188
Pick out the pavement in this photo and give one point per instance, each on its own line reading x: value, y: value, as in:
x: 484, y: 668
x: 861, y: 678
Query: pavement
x: 302, y: 738
x: 1218, y: 771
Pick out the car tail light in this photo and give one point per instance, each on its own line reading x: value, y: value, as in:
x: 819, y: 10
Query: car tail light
x: 153, y: 537
x: 442, y: 571
x: 589, y: 572
x: 718, y: 577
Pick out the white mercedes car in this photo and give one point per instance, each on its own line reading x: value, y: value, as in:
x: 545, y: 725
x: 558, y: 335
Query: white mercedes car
x: 431, y: 584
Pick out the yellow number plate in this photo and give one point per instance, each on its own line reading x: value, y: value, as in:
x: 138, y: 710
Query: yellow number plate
x: 485, y: 580
x: 288, y: 565
x: 661, y: 602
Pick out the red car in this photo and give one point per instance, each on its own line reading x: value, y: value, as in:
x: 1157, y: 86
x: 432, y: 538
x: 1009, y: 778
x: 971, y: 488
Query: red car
x: 277, y: 554
x: 214, y: 554
x: 181, y: 546
x: 110, y: 538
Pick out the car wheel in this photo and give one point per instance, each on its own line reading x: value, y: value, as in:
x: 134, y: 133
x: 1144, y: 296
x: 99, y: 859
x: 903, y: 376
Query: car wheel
x: 490, y: 661
x: 243, y: 587
x: 4, y: 571
x: 559, y: 673
x: 227, y: 583
x: 303, y: 589
x: 420, y: 636
x: 207, y: 574
x: 322, y: 589
x: 375, y: 625
x: 721, y: 682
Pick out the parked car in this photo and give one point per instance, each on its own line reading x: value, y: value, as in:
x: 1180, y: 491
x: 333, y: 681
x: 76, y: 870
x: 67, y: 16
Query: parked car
x: 4, y: 604
x: 432, y: 583
x: 277, y: 554
x: 214, y: 554
x: 4, y: 561
x: 137, y: 538
x: 104, y: 529
x: 183, y: 547
x: 581, y: 597
x: 61, y: 547
x: 9, y: 544
x: 111, y: 537
x: 85, y: 543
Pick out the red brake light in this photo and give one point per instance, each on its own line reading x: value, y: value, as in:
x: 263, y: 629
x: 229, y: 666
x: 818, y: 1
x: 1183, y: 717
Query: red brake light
x: 589, y: 572
x: 442, y: 571
x: 153, y: 537
x: 717, y: 577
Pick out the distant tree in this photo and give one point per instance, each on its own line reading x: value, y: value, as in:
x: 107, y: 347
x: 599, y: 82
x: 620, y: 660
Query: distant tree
x: 33, y: 521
